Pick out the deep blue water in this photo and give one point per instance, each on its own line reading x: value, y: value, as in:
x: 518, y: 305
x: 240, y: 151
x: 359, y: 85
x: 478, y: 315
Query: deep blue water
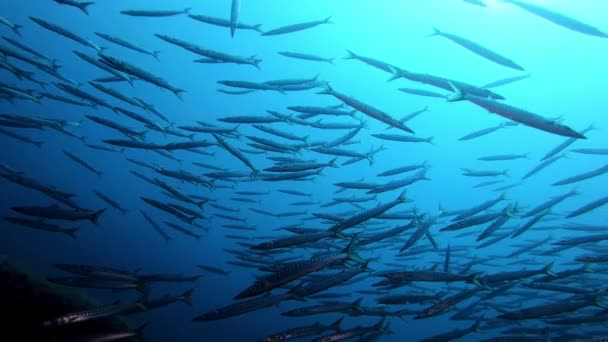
x: 568, y: 77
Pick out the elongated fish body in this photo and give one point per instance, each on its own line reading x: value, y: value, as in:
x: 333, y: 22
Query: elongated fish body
x: 234, y: 16
x: 119, y: 127
x: 185, y: 176
x: 140, y: 73
x: 518, y: 115
x: 403, y: 138
x: 235, y: 152
x: 447, y: 303
x: 476, y: 2
x: 109, y: 201
x: 281, y: 134
x: 596, y: 151
x: 302, y: 331
x: 296, y: 27
x: 128, y: 45
x: 327, y: 307
x: 547, y: 309
x: 83, y: 6
x: 92, y: 60
x: 116, y: 95
x: 506, y: 216
x: 583, y: 176
x: 481, y: 132
x: 530, y: 223
x: 550, y: 203
x: 155, y: 225
x: 183, y: 230
x: 211, y: 54
x: 453, y: 334
x: 306, y: 57
x: 501, y: 157
x: 367, y: 109
x: 426, y: 276
x: 243, y: 307
x: 444, y: 83
x: 588, y: 207
x: 301, y: 166
x: 543, y: 165
x: 515, y: 338
x: 515, y: 275
x: 566, y: 144
x: 12, y: 26
x: 96, y: 271
x: 358, y: 331
x: 324, y: 283
x: 83, y: 95
x: 296, y: 270
x: 164, y: 207
x: 250, y: 119
x: 421, y: 92
x: 472, y: 221
x: 58, y: 213
x: 67, y: 100
x: 295, y: 240
x: 42, y: 64
x: 83, y: 163
x: 505, y: 81
x: 558, y: 18
x: 365, y: 215
x: 66, y: 33
x: 478, y: 49
x: 87, y: 315
x: 40, y: 225
x: 479, y: 208
x: 224, y: 22
x: 155, y: 13
x: 575, y: 241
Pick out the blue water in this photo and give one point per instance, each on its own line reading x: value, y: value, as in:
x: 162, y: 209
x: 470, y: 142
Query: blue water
x: 568, y: 78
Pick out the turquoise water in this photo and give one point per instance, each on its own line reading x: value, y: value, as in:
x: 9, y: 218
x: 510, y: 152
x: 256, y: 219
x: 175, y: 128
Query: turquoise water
x: 566, y: 81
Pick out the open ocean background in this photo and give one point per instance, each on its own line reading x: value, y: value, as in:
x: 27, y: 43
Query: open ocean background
x: 568, y: 80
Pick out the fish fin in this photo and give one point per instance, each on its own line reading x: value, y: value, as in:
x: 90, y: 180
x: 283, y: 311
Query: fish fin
x: 549, y: 269
x: 186, y: 297
x: 16, y: 29
x: 328, y: 20
x: 95, y: 216
x: 155, y: 55
x: 258, y: 28
x: 435, y: 32
x: 458, y: 94
x: 84, y: 6
x: 71, y: 232
x: 336, y: 325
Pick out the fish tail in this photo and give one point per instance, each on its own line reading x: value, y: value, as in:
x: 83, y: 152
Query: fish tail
x: 475, y: 327
x: 258, y: 28
x: 336, y: 325
x: 458, y: 94
x: 186, y: 297
x: 349, y: 250
x: 84, y: 6
x: 71, y: 232
x: 435, y: 32
x: 95, y: 216
x: 351, y: 55
x: 155, y: 55
x: 16, y: 29
x: 549, y: 269
x: 332, y: 162
x: 328, y: 20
